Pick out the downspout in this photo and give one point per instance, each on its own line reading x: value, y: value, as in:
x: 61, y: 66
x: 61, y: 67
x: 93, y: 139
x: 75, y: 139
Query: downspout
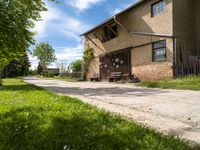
x: 174, y: 55
x: 119, y: 23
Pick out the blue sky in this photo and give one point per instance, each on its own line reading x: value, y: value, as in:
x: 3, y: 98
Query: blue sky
x: 62, y: 24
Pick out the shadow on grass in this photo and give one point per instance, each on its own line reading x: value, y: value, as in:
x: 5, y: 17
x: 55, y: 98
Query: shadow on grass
x: 25, y: 129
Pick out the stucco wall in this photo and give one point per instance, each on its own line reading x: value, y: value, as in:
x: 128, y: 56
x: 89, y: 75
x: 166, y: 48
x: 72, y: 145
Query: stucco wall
x: 197, y: 20
x: 184, y: 26
x: 143, y: 22
x: 93, y: 68
x: 137, y: 20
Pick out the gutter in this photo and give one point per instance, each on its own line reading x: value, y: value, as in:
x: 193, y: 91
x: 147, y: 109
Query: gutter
x: 174, y: 55
x: 153, y: 34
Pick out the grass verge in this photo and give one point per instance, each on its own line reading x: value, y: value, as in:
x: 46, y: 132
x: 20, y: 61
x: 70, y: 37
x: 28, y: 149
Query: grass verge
x: 189, y: 83
x: 32, y: 118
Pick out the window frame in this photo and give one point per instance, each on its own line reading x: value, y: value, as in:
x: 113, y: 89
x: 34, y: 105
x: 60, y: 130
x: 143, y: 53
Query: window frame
x: 159, y: 48
x: 152, y: 6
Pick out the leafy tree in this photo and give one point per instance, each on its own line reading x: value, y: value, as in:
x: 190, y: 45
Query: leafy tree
x: 25, y: 63
x: 16, y: 21
x: 32, y: 72
x: 19, y: 67
x: 45, y: 54
x: 77, y: 66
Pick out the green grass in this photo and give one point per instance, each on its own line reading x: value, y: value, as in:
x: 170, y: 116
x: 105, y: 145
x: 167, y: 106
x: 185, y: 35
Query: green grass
x: 32, y: 118
x: 189, y: 83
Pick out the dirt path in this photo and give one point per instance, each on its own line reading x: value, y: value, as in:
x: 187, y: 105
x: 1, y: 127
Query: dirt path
x: 174, y: 112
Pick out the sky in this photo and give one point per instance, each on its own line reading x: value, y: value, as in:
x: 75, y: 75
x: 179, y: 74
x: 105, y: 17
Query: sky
x: 64, y: 22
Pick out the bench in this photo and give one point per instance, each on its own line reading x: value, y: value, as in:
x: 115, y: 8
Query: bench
x: 115, y: 76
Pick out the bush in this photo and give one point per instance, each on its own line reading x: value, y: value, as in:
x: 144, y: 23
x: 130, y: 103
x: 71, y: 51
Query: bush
x: 32, y: 72
x: 48, y: 75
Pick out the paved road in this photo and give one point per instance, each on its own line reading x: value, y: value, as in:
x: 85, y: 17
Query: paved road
x: 174, y: 112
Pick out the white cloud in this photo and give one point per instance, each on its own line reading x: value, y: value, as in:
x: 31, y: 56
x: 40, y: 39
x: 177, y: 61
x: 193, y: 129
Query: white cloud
x: 83, y: 4
x: 54, y: 20
x: 72, y: 28
x: 47, y: 19
x: 116, y: 10
x: 70, y: 53
x: 122, y: 7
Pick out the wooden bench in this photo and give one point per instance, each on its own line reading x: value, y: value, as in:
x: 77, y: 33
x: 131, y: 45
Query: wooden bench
x: 115, y: 76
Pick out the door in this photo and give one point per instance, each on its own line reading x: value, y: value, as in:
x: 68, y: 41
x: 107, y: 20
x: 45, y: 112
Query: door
x: 118, y: 61
x: 104, y: 68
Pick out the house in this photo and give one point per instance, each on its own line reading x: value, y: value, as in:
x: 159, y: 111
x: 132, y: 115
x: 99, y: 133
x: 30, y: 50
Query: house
x: 145, y: 41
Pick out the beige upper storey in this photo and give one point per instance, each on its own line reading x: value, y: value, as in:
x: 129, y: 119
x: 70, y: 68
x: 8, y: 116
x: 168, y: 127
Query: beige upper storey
x: 186, y: 25
x: 197, y: 21
x: 138, y: 19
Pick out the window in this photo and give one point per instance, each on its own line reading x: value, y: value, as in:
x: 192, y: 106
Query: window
x: 157, y: 8
x: 110, y: 32
x: 159, y: 51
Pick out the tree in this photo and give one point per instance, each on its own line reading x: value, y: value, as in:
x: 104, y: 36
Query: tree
x: 45, y: 54
x: 62, y: 65
x: 18, y: 67
x: 77, y: 66
x: 16, y: 21
x: 25, y: 63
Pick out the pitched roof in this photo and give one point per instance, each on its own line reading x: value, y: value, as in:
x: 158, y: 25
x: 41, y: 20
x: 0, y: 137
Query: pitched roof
x: 112, y: 18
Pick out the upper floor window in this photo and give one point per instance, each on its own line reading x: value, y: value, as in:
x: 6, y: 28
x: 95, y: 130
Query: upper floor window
x: 159, y: 50
x: 157, y: 8
x: 110, y: 32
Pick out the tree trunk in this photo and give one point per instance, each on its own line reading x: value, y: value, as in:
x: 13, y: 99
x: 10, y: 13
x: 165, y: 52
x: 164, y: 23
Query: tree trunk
x: 1, y: 79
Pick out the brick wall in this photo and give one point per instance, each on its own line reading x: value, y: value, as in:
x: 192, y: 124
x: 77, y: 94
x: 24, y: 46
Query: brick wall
x: 152, y: 71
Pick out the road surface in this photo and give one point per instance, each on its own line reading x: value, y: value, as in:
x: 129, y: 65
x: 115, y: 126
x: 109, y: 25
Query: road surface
x: 175, y: 112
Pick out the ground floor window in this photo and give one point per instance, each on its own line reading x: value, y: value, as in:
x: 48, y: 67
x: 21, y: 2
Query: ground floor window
x: 159, y: 51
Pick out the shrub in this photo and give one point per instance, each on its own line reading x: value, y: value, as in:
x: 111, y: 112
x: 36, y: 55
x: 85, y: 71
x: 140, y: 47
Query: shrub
x: 48, y: 75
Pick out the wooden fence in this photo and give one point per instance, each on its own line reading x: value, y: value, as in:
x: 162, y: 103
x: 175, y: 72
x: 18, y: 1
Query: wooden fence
x: 187, y: 69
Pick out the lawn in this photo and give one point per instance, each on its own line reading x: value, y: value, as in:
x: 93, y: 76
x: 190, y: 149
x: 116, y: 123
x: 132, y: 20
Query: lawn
x: 189, y: 83
x: 32, y: 118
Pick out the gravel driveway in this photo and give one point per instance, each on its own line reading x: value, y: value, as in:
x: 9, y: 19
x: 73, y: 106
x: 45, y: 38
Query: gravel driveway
x: 174, y: 112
